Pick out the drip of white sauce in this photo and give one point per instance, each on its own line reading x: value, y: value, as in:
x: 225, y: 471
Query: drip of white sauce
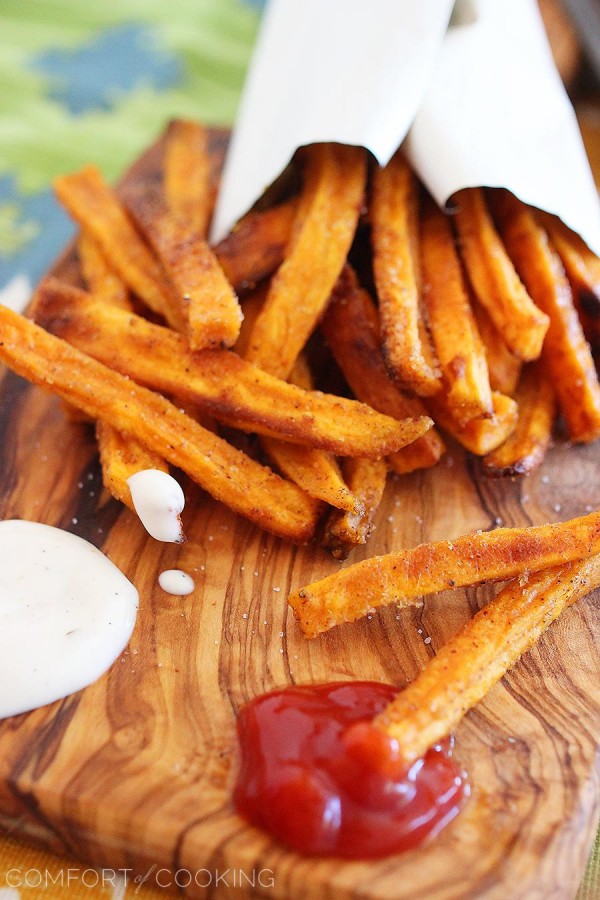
x: 66, y: 613
x: 158, y: 501
x: 174, y: 581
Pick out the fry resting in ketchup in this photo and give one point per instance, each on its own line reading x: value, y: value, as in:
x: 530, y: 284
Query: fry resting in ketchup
x: 357, y: 770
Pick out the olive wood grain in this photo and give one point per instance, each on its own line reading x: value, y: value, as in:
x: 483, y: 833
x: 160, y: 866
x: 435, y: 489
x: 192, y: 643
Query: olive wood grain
x: 137, y: 769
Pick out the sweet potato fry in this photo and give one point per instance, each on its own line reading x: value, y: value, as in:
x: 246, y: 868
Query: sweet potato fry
x: 102, y: 280
x: 503, y: 366
x: 480, y: 436
x: 219, y: 380
x: 494, y: 280
x: 95, y: 206
x: 315, y: 471
x: 186, y: 177
x: 210, y: 308
x: 255, y: 247
x: 366, y: 479
x: 471, y: 663
x: 454, y: 331
x: 121, y: 456
x: 255, y: 492
x: 526, y: 447
x: 566, y: 354
x: 323, y: 231
x: 394, y: 221
x: 351, y: 329
x: 581, y: 264
x: 406, y: 575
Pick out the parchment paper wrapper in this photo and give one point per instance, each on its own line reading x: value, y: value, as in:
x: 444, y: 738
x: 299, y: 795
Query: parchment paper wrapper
x: 495, y: 113
x: 479, y: 102
x: 352, y: 71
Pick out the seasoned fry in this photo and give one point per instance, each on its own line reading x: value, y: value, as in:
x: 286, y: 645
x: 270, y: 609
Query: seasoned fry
x: 95, y: 206
x: 566, y: 354
x: 480, y: 436
x: 366, y: 479
x: 323, y: 231
x: 255, y: 247
x: 494, y: 280
x: 581, y: 264
x: 121, y: 456
x: 186, y: 178
x: 209, y: 313
x: 253, y: 304
x: 315, y: 471
x: 526, y: 447
x: 219, y: 380
x: 503, y: 366
x: 454, y: 331
x: 465, y: 668
x: 351, y: 329
x: 394, y: 221
x: 209, y: 307
x: 406, y: 575
x: 103, y: 282
x: 255, y: 492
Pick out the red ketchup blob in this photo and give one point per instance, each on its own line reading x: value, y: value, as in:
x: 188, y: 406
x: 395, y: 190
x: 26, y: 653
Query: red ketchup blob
x: 320, y: 778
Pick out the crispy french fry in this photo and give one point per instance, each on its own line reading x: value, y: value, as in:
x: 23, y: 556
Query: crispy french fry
x: 503, y: 366
x: 394, y: 221
x: 227, y: 474
x: 566, y: 354
x: 494, y: 280
x: 315, y: 471
x: 454, y: 331
x: 102, y: 280
x: 219, y: 380
x: 351, y: 329
x: 95, y: 206
x: 366, y: 479
x: 252, y: 305
x: 526, y: 447
x: 480, y: 436
x: 581, y: 264
x: 209, y: 306
x: 121, y: 456
x: 406, y: 575
x: 209, y: 312
x: 326, y: 221
x: 465, y: 668
x: 255, y: 247
x: 186, y: 176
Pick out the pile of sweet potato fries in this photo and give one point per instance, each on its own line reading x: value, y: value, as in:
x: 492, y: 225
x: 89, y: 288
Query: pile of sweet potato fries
x: 477, y: 323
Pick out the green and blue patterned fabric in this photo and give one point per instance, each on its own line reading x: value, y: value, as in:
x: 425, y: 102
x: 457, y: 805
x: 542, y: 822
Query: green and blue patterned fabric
x: 95, y: 81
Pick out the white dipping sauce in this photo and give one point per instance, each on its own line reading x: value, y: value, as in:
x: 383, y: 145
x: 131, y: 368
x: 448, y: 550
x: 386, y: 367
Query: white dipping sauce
x: 158, y: 500
x: 66, y: 613
x: 177, y: 582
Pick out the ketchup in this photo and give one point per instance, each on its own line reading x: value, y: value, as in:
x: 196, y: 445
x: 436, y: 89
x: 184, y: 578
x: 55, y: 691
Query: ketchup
x: 319, y: 777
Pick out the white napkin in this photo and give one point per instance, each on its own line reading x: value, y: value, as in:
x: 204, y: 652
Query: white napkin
x: 484, y: 100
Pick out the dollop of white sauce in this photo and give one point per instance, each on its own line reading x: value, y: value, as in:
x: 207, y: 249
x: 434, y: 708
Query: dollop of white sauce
x: 66, y: 613
x: 158, y: 501
x: 177, y: 582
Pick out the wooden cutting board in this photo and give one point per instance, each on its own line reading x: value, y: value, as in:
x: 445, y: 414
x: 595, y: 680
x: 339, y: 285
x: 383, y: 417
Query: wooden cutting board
x: 137, y: 769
